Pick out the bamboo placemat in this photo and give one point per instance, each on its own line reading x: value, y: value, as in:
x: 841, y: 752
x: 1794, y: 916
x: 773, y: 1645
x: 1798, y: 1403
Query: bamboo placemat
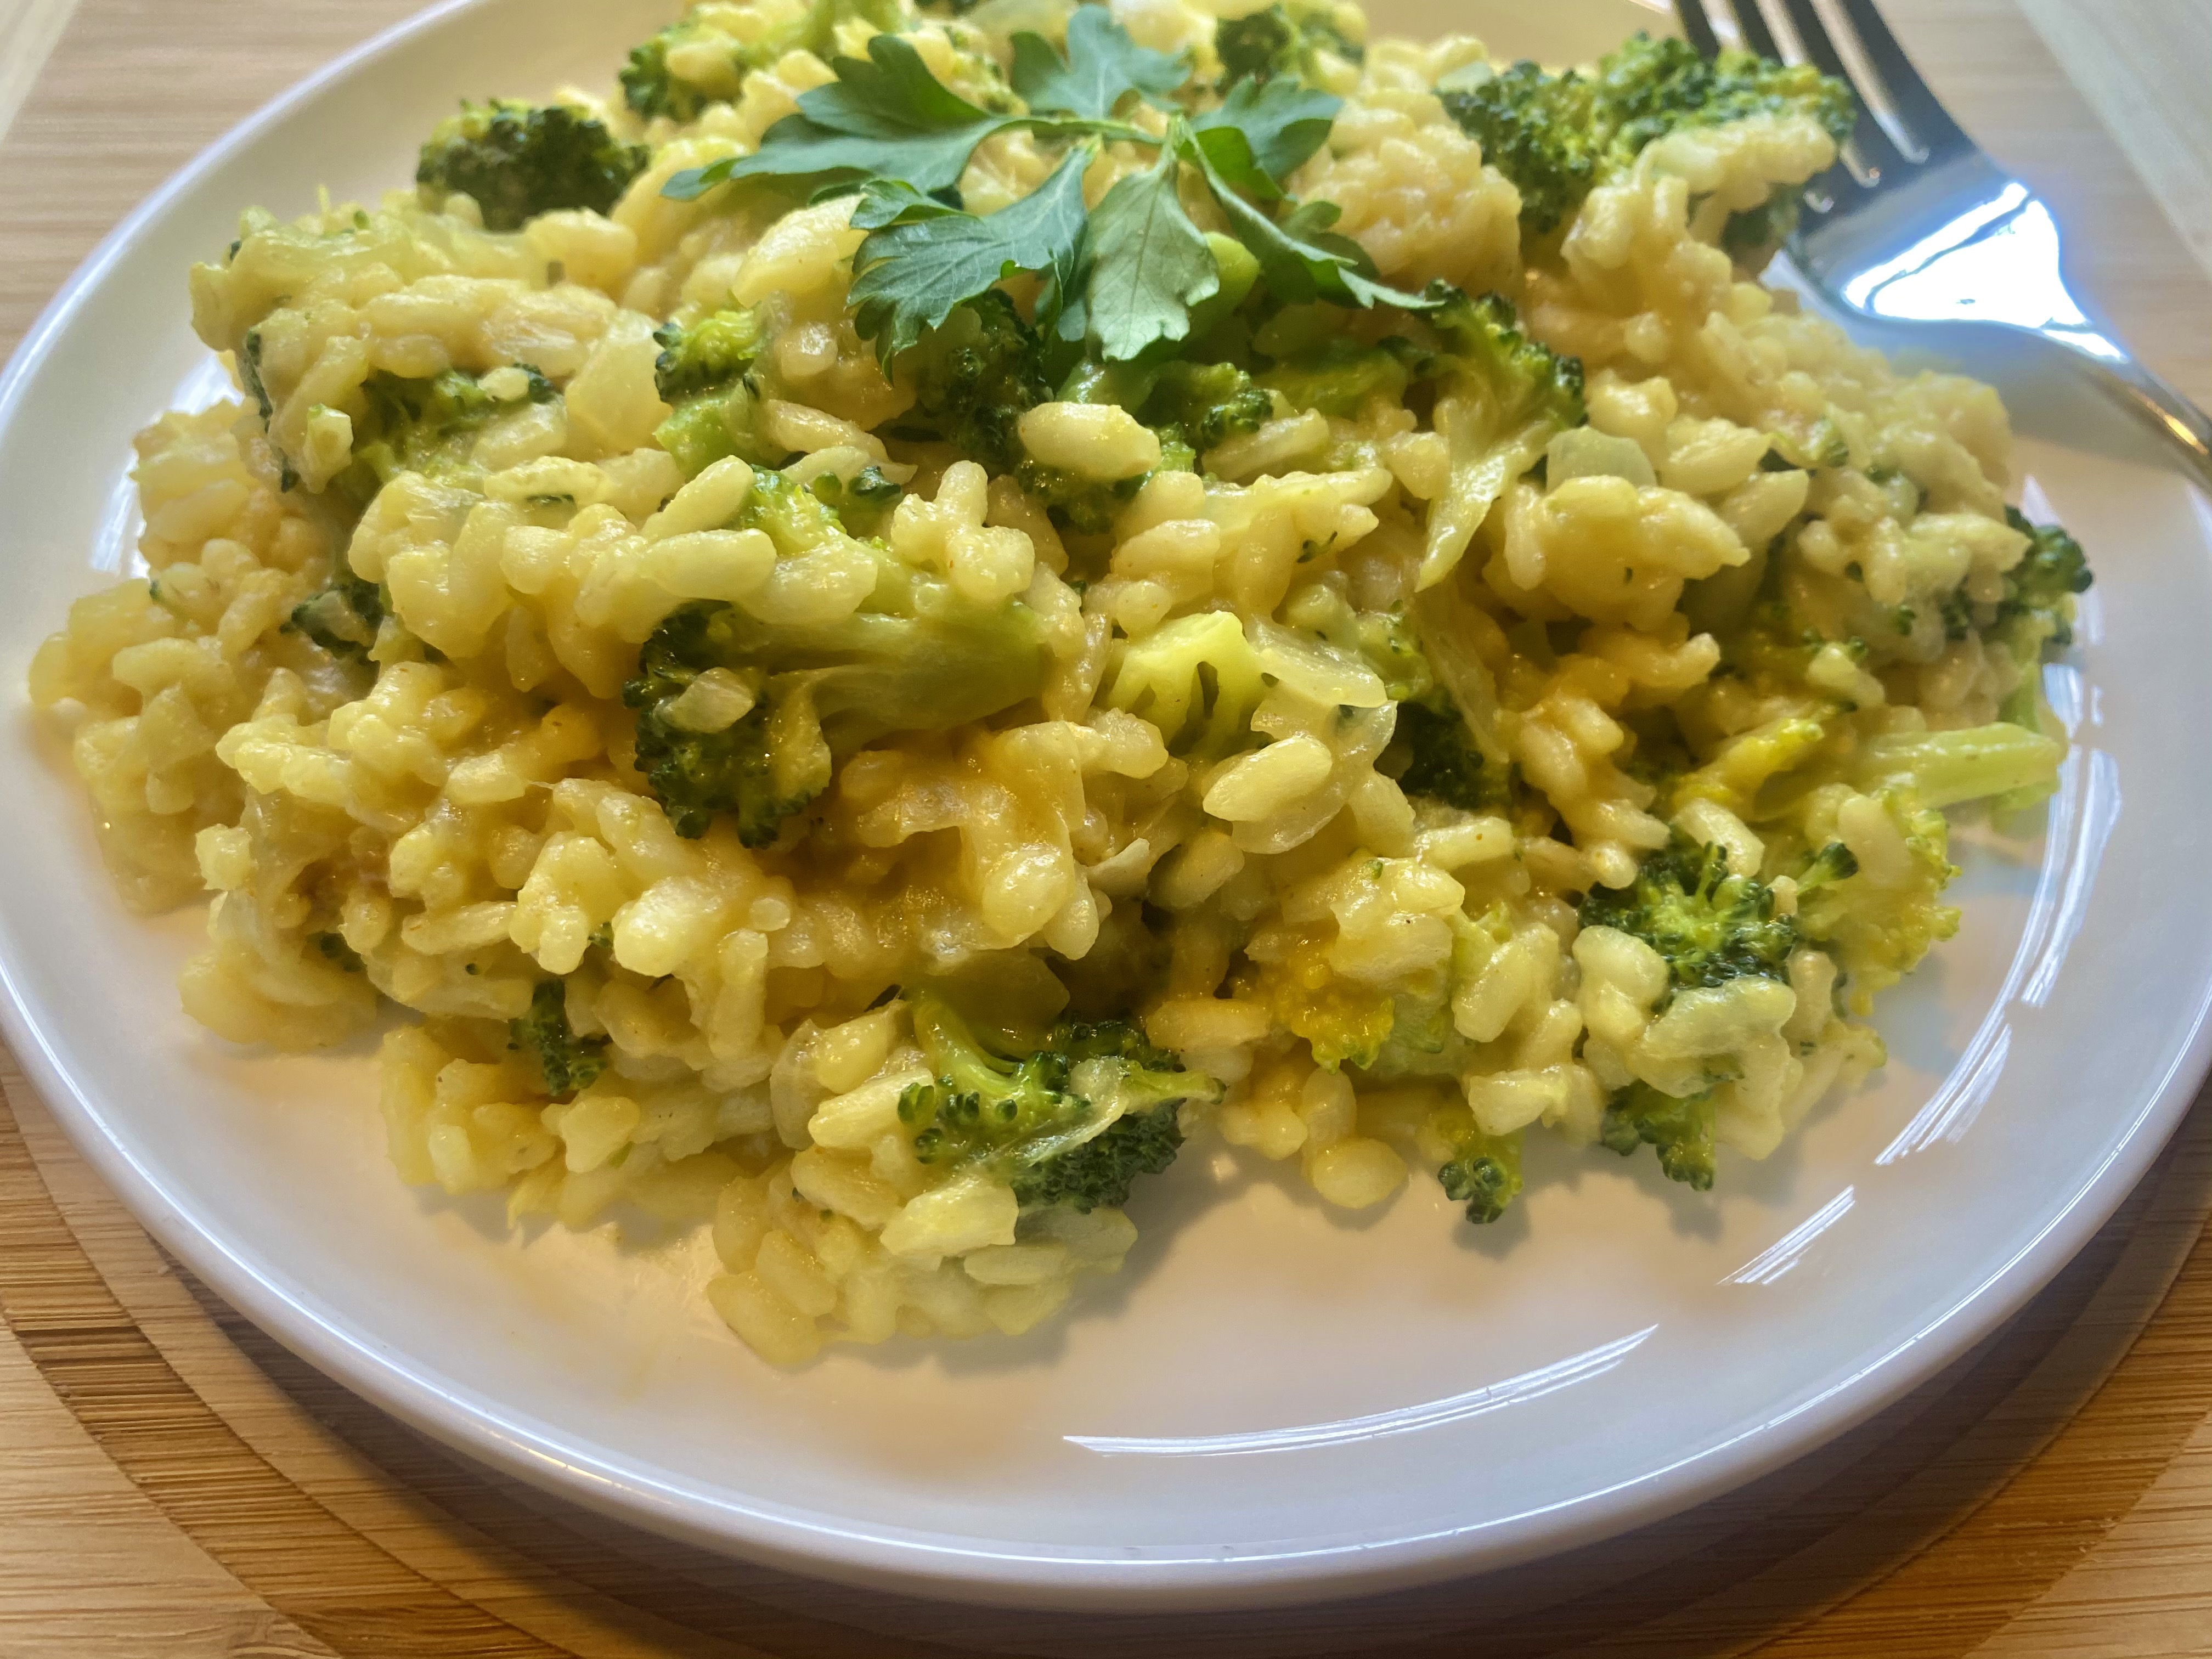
x: 174, y: 1484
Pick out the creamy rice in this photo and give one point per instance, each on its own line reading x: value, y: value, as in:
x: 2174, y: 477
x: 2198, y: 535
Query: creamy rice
x: 445, y: 813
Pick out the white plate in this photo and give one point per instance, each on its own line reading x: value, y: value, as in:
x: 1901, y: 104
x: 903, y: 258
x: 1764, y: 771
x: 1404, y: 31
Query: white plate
x: 1273, y: 1403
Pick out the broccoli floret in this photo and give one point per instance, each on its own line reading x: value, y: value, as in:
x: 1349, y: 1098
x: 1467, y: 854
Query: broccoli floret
x: 1648, y: 89
x: 1030, y: 1117
x: 1185, y: 404
x: 974, y: 376
x: 1341, y: 376
x: 1392, y: 648
x: 1101, y: 1171
x: 1484, y: 1173
x: 1735, y: 776
x: 794, y: 697
x: 651, y: 89
x: 1557, y: 136
x: 2039, y: 590
x: 518, y: 160
x: 707, y: 355
x: 1189, y: 406
x: 1878, y: 931
x: 566, y: 1061
x: 429, y: 426
x: 1502, y: 399
x: 1283, y: 39
x: 1206, y: 403
x: 1943, y: 769
x: 1755, y: 235
x: 2037, y: 610
x: 1680, y: 1131
x: 1423, y: 1040
x: 1344, y: 1021
x: 703, y: 372
x: 1539, y: 131
x: 344, y: 618
x: 1711, y: 926
x: 1198, y: 679
x: 702, y: 759
x: 1085, y: 505
x: 860, y: 500
x: 1834, y: 862
x: 1441, y: 761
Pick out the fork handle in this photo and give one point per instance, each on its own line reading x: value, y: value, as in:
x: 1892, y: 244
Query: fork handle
x: 2153, y: 399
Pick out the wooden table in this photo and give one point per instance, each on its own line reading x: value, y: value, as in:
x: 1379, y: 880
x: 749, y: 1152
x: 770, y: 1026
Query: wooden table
x: 174, y: 1485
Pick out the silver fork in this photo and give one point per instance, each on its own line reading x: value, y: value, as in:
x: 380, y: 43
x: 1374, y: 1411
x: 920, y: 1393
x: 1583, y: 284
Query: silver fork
x: 1916, y: 223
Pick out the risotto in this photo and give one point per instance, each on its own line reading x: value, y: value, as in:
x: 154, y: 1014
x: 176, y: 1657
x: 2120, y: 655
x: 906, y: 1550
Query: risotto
x: 871, y: 633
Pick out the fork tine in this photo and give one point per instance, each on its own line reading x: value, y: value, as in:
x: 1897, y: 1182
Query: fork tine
x: 1751, y: 28
x: 1877, y: 152
x: 1696, y: 27
x: 1923, y: 114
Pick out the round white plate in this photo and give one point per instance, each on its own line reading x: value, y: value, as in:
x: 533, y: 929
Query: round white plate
x: 1275, y: 1403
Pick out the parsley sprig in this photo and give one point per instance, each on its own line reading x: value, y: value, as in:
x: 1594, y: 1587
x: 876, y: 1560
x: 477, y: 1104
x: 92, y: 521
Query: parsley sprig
x: 1125, y: 274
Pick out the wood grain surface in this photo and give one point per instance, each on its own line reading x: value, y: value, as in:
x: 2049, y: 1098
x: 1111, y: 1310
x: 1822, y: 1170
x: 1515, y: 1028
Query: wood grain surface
x: 173, y: 1483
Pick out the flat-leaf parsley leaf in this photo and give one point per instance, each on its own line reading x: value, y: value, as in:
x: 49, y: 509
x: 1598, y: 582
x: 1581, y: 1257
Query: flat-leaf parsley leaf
x: 1150, y: 263
x: 1103, y: 67
x: 884, y: 116
x: 1282, y: 121
x: 911, y: 272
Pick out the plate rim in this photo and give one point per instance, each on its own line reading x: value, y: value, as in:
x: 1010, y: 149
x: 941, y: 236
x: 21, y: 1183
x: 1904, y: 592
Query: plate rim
x: 986, y: 1572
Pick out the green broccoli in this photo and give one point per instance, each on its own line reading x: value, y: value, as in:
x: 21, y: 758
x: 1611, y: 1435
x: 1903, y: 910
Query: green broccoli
x: 2039, y: 590
x: 652, y: 89
x: 1943, y: 769
x: 1393, y: 649
x: 1029, y: 1118
x: 1204, y: 403
x: 1284, y: 39
x: 1187, y: 405
x: 1711, y: 926
x: 566, y: 1061
x: 1485, y: 1170
x: 740, y: 767
x: 1088, y: 507
x: 1555, y: 136
x: 974, y: 376
x: 1341, y: 376
x: 518, y: 160
x: 1442, y: 762
x: 707, y: 355
x: 1102, y: 1170
x: 860, y: 501
x: 1423, y: 1041
x: 916, y: 657
x: 344, y: 618
x: 428, y: 426
x: 2037, y: 610
x: 1834, y: 862
x: 704, y: 373
x: 1537, y: 129
x: 1197, y: 678
x: 1648, y: 89
x: 1502, y: 398
x: 1680, y: 1131
x: 1879, y: 931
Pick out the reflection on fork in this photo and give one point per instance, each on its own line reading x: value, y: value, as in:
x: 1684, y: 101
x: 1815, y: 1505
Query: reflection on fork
x: 1916, y: 223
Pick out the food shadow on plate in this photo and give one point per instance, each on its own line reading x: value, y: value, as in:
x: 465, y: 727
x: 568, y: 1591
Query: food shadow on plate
x: 1548, y: 1161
